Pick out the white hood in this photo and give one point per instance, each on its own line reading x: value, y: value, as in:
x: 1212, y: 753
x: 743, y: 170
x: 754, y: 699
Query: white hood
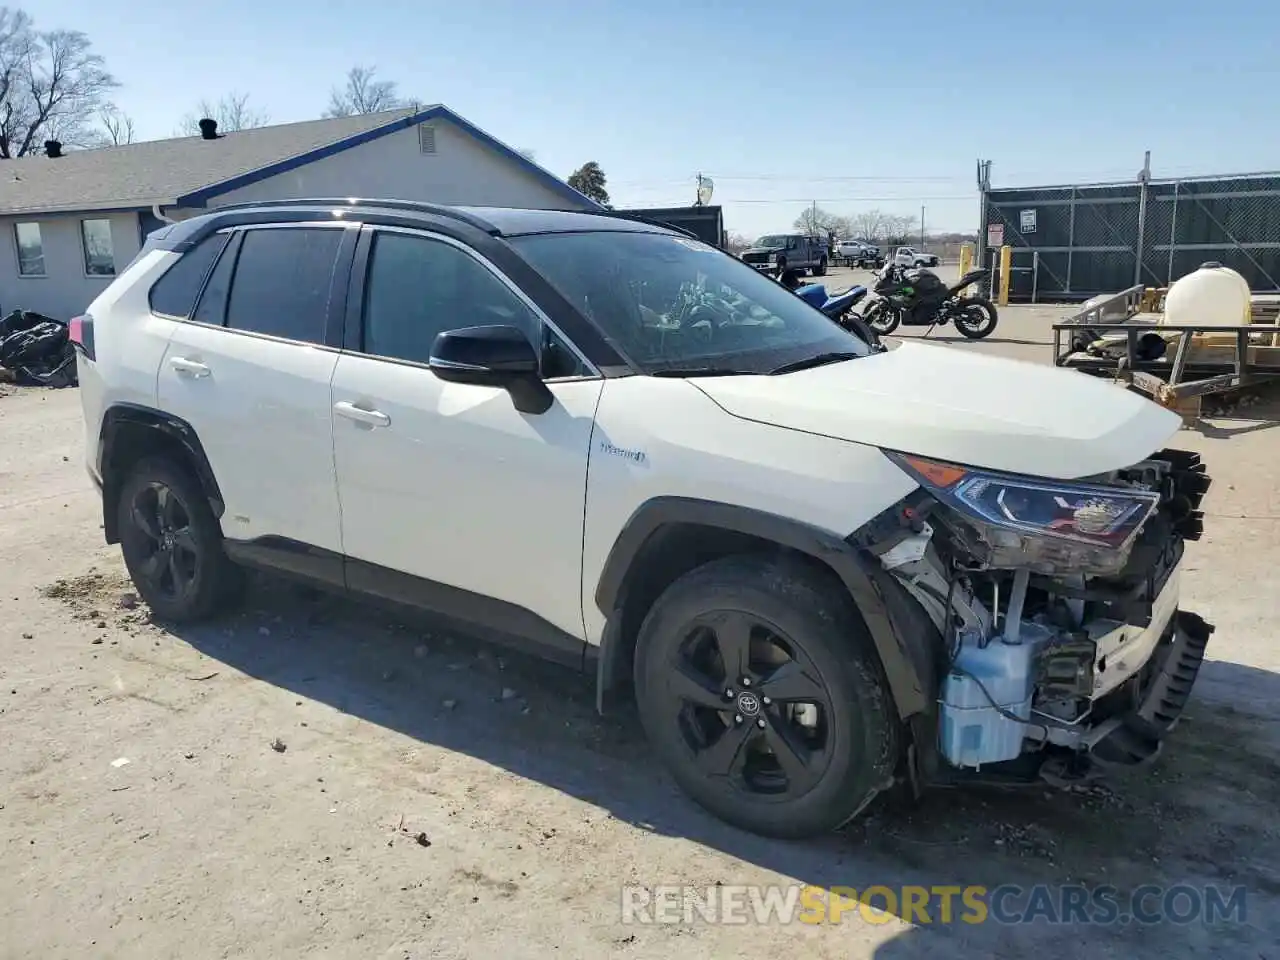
x: 951, y: 403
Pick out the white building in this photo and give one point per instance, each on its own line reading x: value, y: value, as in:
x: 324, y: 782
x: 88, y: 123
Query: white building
x: 70, y: 221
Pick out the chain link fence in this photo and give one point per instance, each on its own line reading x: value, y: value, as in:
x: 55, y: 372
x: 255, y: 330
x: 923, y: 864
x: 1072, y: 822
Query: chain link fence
x: 1074, y: 242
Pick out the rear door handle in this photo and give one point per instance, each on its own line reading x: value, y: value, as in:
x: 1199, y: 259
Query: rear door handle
x: 191, y: 367
x: 374, y: 418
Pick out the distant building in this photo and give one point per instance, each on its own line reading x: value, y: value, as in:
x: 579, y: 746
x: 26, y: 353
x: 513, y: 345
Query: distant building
x: 70, y: 221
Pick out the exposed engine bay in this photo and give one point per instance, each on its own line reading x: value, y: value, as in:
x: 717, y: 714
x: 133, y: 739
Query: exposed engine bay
x: 1057, y: 602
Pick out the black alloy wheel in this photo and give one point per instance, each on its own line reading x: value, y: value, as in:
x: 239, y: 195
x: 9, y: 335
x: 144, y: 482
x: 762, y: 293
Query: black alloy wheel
x: 169, y: 559
x: 172, y: 543
x: 759, y: 689
x: 752, y: 708
x: 882, y: 317
x: 976, y: 318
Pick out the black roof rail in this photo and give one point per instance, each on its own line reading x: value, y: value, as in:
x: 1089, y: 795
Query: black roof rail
x: 635, y: 218
x: 412, y: 206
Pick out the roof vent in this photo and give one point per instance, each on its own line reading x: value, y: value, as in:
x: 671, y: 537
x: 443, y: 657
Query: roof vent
x: 53, y: 148
x: 426, y: 138
x: 209, y: 129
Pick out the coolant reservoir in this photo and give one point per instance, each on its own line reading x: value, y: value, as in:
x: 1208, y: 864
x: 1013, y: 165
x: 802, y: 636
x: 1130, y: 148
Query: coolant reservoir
x: 1212, y: 296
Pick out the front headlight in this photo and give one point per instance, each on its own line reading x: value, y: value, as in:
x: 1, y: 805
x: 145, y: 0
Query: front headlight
x: 773, y: 258
x: 1044, y: 524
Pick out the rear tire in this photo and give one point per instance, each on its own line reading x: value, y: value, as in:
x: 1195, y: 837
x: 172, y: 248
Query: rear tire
x: 983, y: 322
x: 172, y: 544
x: 821, y: 269
x: 758, y: 689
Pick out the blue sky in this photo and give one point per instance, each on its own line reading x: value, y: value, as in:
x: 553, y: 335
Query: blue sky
x: 851, y: 104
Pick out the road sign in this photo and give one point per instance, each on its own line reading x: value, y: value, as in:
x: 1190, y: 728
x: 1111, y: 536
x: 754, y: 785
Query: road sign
x: 995, y: 235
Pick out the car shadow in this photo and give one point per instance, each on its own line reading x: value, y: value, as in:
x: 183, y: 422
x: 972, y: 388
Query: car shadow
x: 1198, y: 813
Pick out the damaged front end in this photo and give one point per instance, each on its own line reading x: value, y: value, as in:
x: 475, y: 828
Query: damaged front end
x: 1058, y: 605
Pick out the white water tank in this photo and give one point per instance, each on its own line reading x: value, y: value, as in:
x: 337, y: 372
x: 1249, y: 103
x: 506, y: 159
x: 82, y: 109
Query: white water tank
x: 1212, y: 296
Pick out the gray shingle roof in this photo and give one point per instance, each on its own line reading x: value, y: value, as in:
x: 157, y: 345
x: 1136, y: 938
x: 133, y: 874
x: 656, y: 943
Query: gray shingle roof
x: 161, y: 171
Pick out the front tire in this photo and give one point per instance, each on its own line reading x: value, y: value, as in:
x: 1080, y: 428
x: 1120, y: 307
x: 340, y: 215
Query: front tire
x: 757, y: 687
x: 977, y: 318
x: 172, y: 544
x: 881, y: 318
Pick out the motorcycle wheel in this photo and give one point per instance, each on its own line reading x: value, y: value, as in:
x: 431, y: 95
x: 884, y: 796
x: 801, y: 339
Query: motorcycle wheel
x: 977, y: 318
x: 880, y: 318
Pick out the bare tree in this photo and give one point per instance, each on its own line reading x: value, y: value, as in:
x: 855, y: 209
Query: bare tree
x: 882, y: 227
x: 736, y: 242
x: 869, y: 225
x: 899, y: 229
x: 815, y: 220
x: 115, y: 127
x: 51, y: 85
x: 232, y: 113
x: 363, y: 94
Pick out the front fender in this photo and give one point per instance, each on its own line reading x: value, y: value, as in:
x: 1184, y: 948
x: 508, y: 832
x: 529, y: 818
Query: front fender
x: 899, y: 630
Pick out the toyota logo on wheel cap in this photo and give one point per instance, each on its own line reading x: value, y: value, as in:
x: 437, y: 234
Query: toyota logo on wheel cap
x: 748, y: 704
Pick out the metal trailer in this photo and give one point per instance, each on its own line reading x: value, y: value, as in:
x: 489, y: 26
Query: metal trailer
x: 1176, y: 373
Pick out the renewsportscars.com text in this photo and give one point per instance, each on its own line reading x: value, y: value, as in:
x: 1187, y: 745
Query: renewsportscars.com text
x: 939, y: 904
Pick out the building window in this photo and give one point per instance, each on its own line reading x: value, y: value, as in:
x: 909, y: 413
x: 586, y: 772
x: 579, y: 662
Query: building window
x: 99, y: 255
x: 30, y: 249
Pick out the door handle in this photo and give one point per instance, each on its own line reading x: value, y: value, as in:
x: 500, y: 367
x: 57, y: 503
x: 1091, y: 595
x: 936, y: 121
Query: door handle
x: 374, y: 418
x: 191, y: 367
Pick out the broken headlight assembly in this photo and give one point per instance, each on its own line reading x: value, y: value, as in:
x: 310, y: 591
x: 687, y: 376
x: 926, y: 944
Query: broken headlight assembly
x: 1049, y: 526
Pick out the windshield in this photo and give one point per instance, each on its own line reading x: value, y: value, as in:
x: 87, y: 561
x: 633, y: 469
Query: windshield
x: 681, y: 306
x: 772, y: 242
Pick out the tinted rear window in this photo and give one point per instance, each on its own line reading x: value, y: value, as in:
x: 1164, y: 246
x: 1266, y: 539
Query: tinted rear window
x: 281, y: 283
x: 174, y: 294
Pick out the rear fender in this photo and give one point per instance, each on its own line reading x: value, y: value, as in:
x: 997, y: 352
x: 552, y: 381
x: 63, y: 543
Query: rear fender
x: 130, y: 432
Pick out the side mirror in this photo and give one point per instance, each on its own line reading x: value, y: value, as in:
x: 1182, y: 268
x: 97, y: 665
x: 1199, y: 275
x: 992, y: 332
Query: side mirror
x: 493, y: 356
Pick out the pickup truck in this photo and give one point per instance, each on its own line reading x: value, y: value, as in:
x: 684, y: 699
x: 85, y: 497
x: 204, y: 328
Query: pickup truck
x: 776, y: 252
x: 911, y: 257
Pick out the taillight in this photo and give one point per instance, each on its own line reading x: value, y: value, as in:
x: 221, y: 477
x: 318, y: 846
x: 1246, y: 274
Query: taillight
x: 80, y: 333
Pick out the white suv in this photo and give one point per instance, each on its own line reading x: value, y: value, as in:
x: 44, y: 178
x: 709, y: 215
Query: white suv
x: 823, y: 568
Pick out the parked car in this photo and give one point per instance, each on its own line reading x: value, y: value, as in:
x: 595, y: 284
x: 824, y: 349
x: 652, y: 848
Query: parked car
x: 911, y: 257
x: 774, y: 253
x: 823, y: 569
x: 858, y: 253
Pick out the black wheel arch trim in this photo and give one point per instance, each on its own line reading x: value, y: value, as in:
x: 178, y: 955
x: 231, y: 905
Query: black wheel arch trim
x: 122, y: 416
x: 905, y: 640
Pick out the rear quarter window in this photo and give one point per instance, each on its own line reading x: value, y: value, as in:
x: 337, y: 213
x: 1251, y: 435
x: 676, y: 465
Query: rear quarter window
x: 175, y: 293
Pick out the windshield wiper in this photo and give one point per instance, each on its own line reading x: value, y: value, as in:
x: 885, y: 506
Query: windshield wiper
x: 702, y: 372
x: 820, y: 360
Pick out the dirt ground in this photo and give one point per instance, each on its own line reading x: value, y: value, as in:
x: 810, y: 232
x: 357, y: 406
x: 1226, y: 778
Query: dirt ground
x: 312, y: 777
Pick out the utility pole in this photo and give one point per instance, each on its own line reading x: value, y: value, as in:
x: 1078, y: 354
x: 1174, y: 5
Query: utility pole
x: 922, y: 226
x: 813, y: 219
x: 1144, y: 178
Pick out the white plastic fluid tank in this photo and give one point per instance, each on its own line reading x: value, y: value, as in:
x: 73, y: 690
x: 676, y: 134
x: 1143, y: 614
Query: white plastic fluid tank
x: 1212, y: 296
x: 986, y: 701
